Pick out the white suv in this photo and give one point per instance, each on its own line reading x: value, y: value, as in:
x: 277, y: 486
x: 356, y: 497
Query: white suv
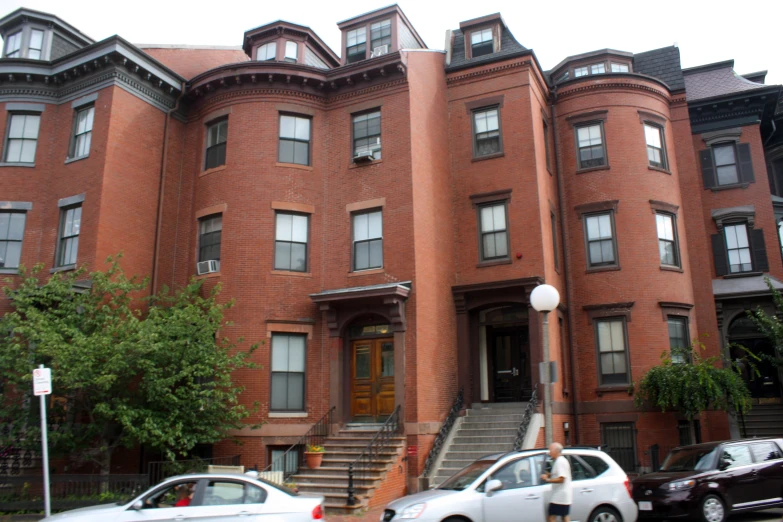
x: 507, y: 488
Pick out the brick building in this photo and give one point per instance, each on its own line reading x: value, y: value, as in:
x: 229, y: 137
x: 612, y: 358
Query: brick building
x: 382, y: 214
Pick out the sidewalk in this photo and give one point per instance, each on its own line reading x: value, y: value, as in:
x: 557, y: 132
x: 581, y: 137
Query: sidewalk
x: 371, y: 516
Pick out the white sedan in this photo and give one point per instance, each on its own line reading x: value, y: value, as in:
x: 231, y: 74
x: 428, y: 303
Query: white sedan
x: 206, y: 498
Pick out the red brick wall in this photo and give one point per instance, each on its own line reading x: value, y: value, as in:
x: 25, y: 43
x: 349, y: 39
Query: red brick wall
x: 393, y: 485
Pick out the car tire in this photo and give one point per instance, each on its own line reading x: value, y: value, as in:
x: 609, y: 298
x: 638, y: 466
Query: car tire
x: 713, y: 509
x: 605, y: 514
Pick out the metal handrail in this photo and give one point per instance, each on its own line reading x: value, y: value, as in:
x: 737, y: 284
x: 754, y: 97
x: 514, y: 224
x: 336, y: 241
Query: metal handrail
x: 371, y: 452
x: 443, y: 434
x: 315, y: 436
x: 526, y: 418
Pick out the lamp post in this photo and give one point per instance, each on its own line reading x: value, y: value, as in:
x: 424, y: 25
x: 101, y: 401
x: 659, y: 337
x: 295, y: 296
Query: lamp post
x: 544, y: 299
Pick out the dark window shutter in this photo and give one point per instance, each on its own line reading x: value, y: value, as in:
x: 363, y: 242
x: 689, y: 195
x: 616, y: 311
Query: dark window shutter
x: 707, y: 168
x: 719, y: 254
x: 745, y: 163
x: 760, y: 263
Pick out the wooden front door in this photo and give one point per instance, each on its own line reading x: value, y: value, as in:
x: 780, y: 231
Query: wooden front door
x: 510, y: 367
x: 372, y: 379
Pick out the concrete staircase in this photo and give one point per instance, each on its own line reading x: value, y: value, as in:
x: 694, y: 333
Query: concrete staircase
x: 485, y: 429
x: 764, y: 420
x: 331, y: 479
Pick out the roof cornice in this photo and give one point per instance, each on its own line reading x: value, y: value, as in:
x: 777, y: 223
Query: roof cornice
x: 24, y: 13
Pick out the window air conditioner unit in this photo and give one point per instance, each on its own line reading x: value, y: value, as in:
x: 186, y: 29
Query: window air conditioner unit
x: 380, y: 51
x: 207, y: 267
x: 363, y: 155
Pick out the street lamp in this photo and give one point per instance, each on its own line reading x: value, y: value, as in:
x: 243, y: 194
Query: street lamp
x: 544, y: 299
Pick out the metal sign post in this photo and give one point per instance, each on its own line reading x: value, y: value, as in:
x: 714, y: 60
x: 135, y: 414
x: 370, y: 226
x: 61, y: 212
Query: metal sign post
x: 42, y: 386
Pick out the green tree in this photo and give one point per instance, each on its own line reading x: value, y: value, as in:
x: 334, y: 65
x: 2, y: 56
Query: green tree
x: 691, y: 387
x: 772, y: 328
x: 120, y: 376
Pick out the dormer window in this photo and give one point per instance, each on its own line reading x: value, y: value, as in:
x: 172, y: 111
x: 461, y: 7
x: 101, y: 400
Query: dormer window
x: 356, y: 45
x: 580, y: 71
x: 620, y: 67
x: 267, y: 52
x: 380, y: 35
x: 36, y: 44
x: 597, y: 68
x: 13, y: 46
x: 481, y: 43
x: 291, y: 52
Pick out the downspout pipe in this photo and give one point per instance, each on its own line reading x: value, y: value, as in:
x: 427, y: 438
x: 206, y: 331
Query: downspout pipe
x: 568, y: 286
x: 161, y: 191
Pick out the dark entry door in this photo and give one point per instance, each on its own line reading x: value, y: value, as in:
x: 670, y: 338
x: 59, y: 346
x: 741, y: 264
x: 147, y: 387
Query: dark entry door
x: 510, y: 365
x: 372, y: 379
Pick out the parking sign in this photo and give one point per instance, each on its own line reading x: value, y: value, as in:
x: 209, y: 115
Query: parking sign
x: 42, y: 381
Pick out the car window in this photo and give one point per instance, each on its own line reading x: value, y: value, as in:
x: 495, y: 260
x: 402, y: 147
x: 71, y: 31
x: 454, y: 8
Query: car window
x: 467, y: 475
x: 516, y: 474
x: 764, y: 451
x: 228, y: 493
x: 598, y: 464
x: 735, y: 456
x: 178, y: 494
x: 579, y: 471
x: 697, y: 458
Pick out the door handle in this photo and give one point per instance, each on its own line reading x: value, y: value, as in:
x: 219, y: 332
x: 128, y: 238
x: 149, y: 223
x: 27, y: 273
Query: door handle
x: 516, y: 372
x: 244, y: 513
x: 532, y: 497
x: 179, y: 518
x: 507, y: 371
x: 587, y: 490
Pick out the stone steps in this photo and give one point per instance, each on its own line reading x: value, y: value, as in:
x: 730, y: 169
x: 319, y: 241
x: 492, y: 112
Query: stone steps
x: 764, y: 420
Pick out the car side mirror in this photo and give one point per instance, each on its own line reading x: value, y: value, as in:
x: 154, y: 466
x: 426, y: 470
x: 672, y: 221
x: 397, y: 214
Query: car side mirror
x: 492, y: 486
x: 138, y: 505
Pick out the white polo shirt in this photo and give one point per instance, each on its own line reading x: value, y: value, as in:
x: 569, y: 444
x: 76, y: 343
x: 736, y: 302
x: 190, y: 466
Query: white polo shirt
x: 562, y: 492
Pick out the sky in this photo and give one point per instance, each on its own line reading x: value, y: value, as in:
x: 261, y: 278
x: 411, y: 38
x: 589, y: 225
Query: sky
x: 705, y: 32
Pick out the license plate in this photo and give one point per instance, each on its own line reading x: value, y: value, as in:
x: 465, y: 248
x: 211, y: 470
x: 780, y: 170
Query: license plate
x: 645, y: 506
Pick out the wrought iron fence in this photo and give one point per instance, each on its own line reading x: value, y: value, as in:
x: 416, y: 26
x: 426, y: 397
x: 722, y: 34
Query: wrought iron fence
x: 443, y: 433
x: 530, y: 410
x: 282, y: 467
x: 159, y: 470
x: 25, y: 492
x: 378, y: 446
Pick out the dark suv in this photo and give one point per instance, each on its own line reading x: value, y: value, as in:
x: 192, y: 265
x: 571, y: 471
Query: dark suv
x: 713, y: 480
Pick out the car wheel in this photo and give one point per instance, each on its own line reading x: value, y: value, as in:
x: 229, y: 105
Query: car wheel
x: 605, y: 514
x: 712, y: 509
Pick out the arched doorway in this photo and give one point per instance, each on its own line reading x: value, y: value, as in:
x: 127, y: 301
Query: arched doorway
x: 766, y: 383
x: 371, y: 369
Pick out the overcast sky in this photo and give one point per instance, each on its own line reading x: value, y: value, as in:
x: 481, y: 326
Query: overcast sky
x: 705, y: 32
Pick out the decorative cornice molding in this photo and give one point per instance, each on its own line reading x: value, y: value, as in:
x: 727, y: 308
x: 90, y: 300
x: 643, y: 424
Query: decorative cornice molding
x: 599, y: 311
x: 483, y: 72
x: 582, y: 89
x: 656, y: 205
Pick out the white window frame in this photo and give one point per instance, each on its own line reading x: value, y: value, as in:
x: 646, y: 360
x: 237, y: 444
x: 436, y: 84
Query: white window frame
x: 263, y: 50
x: 23, y: 138
x: 291, y: 57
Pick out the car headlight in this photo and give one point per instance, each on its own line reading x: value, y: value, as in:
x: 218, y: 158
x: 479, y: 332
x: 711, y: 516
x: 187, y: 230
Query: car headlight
x: 413, y: 511
x: 683, y: 484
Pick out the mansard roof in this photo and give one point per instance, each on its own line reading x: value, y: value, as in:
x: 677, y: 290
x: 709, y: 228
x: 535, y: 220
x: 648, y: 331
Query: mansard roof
x: 663, y: 63
x: 715, y: 80
x: 22, y: 14
x: 509, y: 46
x: 281, y: 27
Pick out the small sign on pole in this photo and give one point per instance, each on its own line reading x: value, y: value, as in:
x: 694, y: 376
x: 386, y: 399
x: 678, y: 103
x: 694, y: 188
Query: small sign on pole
x: 42, y: 386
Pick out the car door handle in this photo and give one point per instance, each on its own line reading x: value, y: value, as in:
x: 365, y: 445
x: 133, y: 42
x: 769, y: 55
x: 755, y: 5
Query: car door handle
x: 532, y: 497
x: 586, y: 490
x: 244, y: 513
x: 179, y: 518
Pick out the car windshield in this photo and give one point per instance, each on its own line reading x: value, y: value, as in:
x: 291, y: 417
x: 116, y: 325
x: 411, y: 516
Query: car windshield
x: 689, y: 459
x: 467, y: 475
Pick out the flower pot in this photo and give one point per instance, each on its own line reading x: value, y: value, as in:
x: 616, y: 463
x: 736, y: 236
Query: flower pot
x: 313, y: 459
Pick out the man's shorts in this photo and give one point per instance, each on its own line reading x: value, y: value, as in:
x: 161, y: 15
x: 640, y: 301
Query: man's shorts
x: 559, y: 510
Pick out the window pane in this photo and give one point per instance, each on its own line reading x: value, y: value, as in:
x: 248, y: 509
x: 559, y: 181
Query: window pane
x: 742, y: 235
x: 291, y: 50
x: 665, y: 227
x: 481, y: 122
x: 619, y: 67
x: 652, y: 135
x: 593, y: 230
x: 287, y: 126
x: 301, y: 153
x: 280, y: 353
x: 12, y: 254
x: 580, y: 71
x: 362, y: 362
x: 295, y: 391
x: 666, y: 250
x: 282, y: 255
x: 16, y: 129
x: 598, y: 68
x: 279, y: 391
x: 618, y: 362
x: 487, y: 224
x: 357, y: 36
x: 298, y: 257
x: 605, y: 226
x: 5, y: 221
x: 362, y: 254
x: 296, y: 353
x: 299, y: 228
x: 375, y: 225
x: 489, y: 246
x: 360, y: 227
x: 727, y: 175
x: 744, y: 254
x: 499, y: 217
x: 14, y: 152
x: 604, y: 336
x: 724, y: 155
x: 607, y: 251
x: 31, y: 125
x: 28, y: 151
x: 501, y: 244
x: 15, y: 226
x: 286, y: 151
x: 36, y: 39
x: 303, y: 129
x: 284, y: 227
x: 376, y: 254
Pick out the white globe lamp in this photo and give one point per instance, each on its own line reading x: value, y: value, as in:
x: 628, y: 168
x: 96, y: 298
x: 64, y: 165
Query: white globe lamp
x: 544, y: 298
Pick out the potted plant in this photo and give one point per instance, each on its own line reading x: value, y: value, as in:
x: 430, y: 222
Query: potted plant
x: 314, y: 455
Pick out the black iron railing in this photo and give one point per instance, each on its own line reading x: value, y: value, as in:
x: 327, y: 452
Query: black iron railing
x: 443, y: 433
x: 159, y: 470
x: 290, y: 462
x: 378, y: 446
x: 530, y: 410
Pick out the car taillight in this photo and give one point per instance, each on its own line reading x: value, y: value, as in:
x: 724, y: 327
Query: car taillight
x: 318, y: 512
x: 628, y: 487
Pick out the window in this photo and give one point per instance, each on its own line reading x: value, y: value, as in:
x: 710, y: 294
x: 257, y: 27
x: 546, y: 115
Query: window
x: 294, y: 140
x: 380, y: 34
x: 288, y: 372
x: 598, y: 464
x: 591, y: 146
x: 368, y: 240
x: 738, y: 248
x: 356, y: 45
x: 727, y: 164
x: 600, y: 240
x: 70, y: 227
x: 597, y: 68
x: 291, y: 232
x: 494, y: 233
x: 210, y: 232
x: 217, y: 134
x: 564, y: 77
x: 679, y: 341
x: 82, y: 132
x: 481, y: 43
x: 579, y: 471
x: 553, y: 221
x: 611, y: 351
x: 580, y: 71
x: 765, y: 451
x: 656, y: 154
x: 620, y: 67
x: 486, y: 132
x: 13, y: 46
x: 667, y: 239
x: 780, y: 235
x: 291, y: 52
x: 621, y: 439
x: 168, y: 496
x: 11, y: 235
x: 518, y: 474
x: 229, y: 493
x: 267, y: 52
x: 22, y: 138
x: 36, y: 44
x: 736, y: 456
x: 367, y: 134
x: 279, y: 460
x: 546, y: 147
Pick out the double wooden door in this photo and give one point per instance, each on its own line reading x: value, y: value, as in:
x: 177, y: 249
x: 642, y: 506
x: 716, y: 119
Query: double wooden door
x: 372, y: 379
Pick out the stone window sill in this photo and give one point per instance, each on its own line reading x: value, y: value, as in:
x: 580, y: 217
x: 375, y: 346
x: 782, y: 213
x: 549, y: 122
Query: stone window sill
x: 367, y: 272
x: 207, y: 276
x: 659, y: 169
x: 291, y: 273
x: 594, y: 269
x: 742, y: 274
x: 364, y: 164
x: 668, y: 268
x: 613, y: 388
x: 212, y: 170
x: 288, y: 414
x: 63, y: 268
x: 494, y: 262
x: 9, y: 271
x: 592, y: 169
x: 718, y: 188
x: 293, y: 166
x: 71, y: 160
x: 19, y: 164
x: 488, y: 157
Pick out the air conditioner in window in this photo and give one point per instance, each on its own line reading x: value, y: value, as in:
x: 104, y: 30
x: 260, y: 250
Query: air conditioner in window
x: 367, y: 153
x: 207, y: 267
x: 380, y: 51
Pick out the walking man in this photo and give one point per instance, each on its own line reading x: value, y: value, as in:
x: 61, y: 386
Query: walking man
x: 560, y: 478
